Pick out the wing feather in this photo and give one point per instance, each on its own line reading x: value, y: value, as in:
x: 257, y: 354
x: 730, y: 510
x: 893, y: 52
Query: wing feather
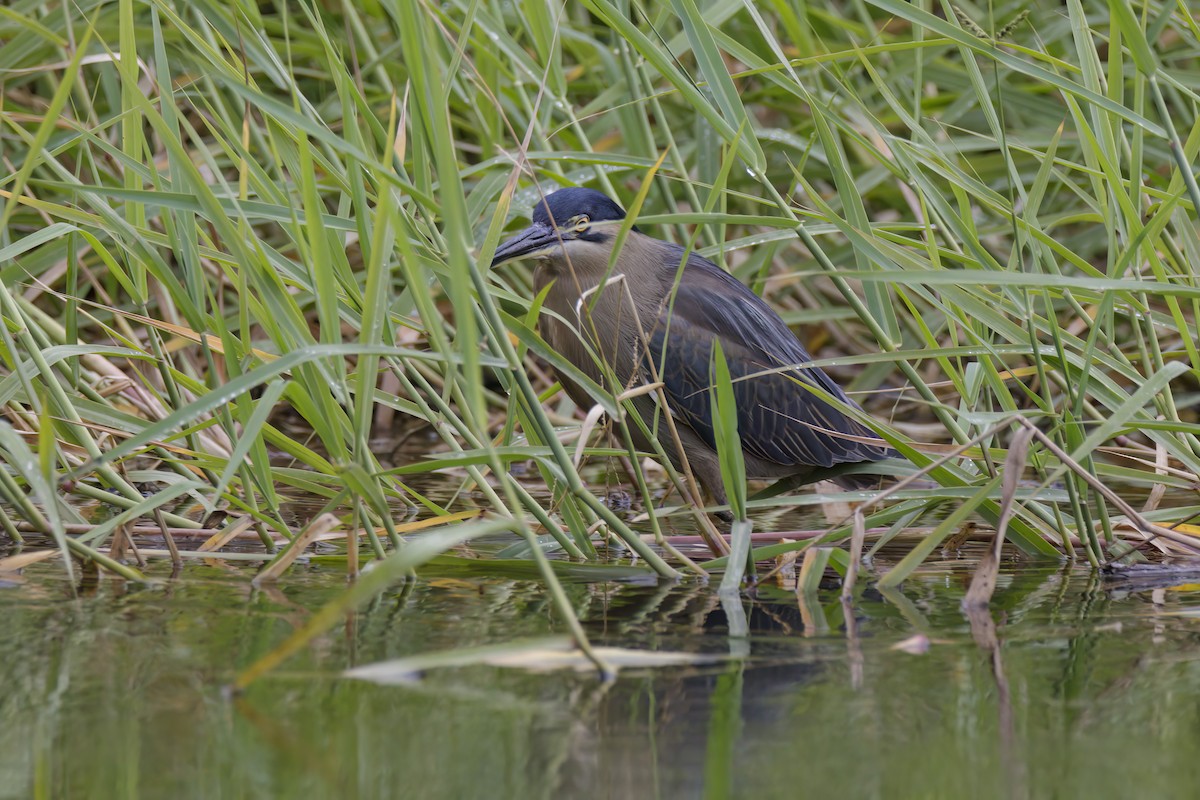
x: 772, y: 408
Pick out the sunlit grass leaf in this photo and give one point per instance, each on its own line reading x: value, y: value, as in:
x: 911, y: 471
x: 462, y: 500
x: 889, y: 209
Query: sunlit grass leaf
x: 725, y: 431
x: 539, y: 655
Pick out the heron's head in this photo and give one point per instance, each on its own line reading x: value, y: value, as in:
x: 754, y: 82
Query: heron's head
x: 567, y: 223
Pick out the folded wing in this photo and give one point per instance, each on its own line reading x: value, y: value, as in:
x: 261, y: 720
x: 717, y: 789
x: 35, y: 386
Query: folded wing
x: 776, y: 415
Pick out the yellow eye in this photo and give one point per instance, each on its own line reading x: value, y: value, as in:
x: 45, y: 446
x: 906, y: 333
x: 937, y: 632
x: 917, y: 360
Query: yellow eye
x: 580, y: 223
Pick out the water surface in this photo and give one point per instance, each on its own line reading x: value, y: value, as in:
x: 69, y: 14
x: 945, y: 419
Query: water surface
x: 1074, y: 686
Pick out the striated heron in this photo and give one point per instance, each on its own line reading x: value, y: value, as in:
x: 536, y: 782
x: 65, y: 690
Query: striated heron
x: 656, y: 313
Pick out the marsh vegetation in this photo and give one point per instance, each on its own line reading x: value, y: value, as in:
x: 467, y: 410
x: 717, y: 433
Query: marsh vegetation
x: 244, y: 252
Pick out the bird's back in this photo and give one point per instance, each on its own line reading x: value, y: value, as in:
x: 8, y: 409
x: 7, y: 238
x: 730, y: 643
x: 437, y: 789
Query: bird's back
x: 780, y: 421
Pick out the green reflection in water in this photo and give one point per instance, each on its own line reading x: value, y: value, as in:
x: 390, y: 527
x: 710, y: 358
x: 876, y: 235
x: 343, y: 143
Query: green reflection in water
x: 1079, y: 689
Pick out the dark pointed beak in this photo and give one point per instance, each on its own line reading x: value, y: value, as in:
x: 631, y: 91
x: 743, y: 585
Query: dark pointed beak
x: 534, y: 240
